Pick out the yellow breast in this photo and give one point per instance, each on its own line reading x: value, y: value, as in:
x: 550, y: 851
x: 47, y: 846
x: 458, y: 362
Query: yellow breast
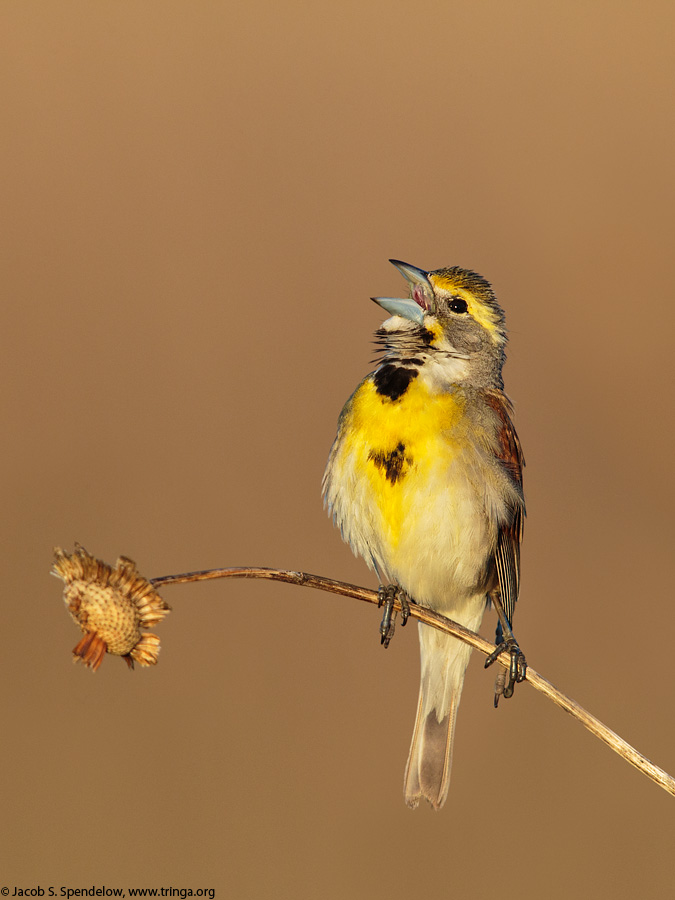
x: 392, y: 449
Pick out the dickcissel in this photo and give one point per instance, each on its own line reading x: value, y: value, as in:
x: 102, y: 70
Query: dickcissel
x: 424, y: 480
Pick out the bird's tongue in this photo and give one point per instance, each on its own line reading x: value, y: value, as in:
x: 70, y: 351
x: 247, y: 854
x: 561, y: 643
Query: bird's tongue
x: 419, y: 297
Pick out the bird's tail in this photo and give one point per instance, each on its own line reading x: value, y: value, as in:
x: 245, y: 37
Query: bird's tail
x: 444, y: 660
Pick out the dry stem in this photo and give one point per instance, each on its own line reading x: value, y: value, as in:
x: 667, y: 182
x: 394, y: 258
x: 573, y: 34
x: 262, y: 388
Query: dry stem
x: 666, y: 781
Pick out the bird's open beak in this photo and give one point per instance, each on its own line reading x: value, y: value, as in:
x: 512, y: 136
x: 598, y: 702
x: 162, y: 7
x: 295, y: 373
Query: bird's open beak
x: 421, y: 298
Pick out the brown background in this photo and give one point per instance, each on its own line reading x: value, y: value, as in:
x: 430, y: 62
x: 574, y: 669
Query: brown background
x: 199, y: 200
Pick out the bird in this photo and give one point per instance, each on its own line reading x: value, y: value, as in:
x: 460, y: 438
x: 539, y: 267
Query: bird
x: 425, y: 482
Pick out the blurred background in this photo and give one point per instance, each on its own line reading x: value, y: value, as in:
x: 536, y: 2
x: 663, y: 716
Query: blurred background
x: 199, y: 199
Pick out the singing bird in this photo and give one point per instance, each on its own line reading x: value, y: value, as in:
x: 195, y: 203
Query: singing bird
x: 424, y: 481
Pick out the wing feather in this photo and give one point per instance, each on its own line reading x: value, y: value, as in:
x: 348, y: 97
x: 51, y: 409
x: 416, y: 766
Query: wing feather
x: 510, y: 455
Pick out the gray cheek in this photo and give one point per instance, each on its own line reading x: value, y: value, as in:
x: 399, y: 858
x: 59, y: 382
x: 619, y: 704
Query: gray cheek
x: 467, y: 341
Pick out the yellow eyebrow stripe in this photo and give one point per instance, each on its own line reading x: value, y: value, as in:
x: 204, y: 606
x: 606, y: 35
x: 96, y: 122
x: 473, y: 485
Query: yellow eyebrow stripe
x: 478, y: 310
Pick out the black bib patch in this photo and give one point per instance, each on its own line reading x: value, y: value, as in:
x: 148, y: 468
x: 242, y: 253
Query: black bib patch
x: 393, y: 380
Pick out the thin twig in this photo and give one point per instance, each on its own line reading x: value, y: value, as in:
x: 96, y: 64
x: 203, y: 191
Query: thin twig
x: 666, y: 781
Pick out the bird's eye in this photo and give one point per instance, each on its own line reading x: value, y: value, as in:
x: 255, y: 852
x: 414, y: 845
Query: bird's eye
x: 458, y: 305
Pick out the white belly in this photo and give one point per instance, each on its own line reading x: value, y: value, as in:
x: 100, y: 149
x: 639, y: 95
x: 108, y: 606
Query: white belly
x: 429, y: 533
x: 444, y: 542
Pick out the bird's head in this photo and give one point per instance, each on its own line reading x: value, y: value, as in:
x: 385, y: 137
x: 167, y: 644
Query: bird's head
x: 451, y: 314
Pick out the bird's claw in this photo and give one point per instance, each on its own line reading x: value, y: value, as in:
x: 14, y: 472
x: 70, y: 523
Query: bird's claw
x: 516, y: 672
x: 387, y: 594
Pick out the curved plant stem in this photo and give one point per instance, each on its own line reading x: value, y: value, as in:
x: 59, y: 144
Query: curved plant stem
x: 595, y: 726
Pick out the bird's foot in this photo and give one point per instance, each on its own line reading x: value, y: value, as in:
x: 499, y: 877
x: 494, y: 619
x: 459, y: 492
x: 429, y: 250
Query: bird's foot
x: 387, y: 594
x: 516, y: 672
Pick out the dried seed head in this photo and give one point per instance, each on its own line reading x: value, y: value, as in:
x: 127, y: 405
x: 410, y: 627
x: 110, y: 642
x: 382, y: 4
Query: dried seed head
x: 110, y: 606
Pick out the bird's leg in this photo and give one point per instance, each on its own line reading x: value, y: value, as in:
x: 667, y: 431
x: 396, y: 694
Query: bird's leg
x: 387, y: 594
x: 506, y: 643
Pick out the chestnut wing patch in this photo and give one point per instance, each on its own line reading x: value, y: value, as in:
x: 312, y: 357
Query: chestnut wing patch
x: 507, y: 553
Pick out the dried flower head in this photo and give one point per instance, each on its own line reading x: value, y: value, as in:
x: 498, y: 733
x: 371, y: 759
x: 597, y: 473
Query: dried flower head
x: 110, y: 606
